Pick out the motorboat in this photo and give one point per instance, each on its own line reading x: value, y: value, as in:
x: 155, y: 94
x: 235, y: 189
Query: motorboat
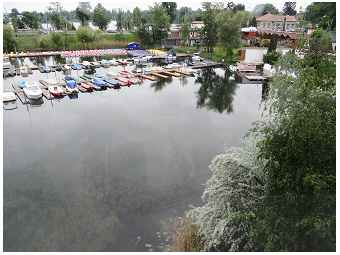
x: 24, y: 71
x: 99, y: 82
x: 113, y: 82
x: 196, y: 58
x: 137, y: 70
x: 12, y: 72
x: 32, y: 90
x: 122, y: 61
x: 146, y: 69
x: 77, y: 66
x: 71, y: 86
x: 8, y: 96
x: 124, y: 80
x: 105, y: 63
x: 58, y: 68
x: 51, y: 81
x: 68, y: 78
x: 55, y: 90
x: 67, y: 67
x: 134, y: 79
x: 86, y: 64
x: 86, y: 86
x: 142, y: 59
x: 113, y: 62
x: 111, y: 74
x: 46, y: 69
x: 6, y: 63
x: 176, y: 65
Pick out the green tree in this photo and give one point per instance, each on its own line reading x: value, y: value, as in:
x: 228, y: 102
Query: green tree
x: 171, y: 9
x: 82, y: 16
x: 9, y: 41
x: 136, y: 17
x: 273, y: 43
x: 56, y: 40
x: 159, y: 22
x: 14, y: 13
x: 209, y: 31
x: 100, y: 17
x: 185, y: 32
x: 240, y: 7
x: 263, y: 9
x: 299, y: 212
x: 322, y: 14
x: 85, y: 34
x: 30, y: 20
x: 143, y: 31
x: 228, y: 27
x: 289, y: 8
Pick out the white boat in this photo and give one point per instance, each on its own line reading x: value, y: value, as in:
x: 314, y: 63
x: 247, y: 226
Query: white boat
x: 6, y: 63
x: 51, y: 81
x: 24, y: 71
x: 32, y: 90
x: 113, y: 62
x: 175, y: 65
x: 142, y: 59
x: 55, y: 90
x: 67, y: 67
x: 197, y: 58
x: 86, y: 64
x: 95, y: 64
x: 8, y: 96
x: 122, y: 61
x: 134, y: 79
x: 71, y: 86
x: 111, y: 74
x: 188, y: 70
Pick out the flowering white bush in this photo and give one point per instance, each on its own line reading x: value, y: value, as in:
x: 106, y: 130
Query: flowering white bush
x: 232, y: 196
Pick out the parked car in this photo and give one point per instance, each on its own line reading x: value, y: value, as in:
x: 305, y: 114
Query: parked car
x: 42, y: 32
x: 59, y: 31
x: 111, y: 31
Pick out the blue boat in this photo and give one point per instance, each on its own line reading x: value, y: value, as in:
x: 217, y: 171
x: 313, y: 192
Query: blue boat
x: 98, y: 75
x: 71, y: 83
x: 68, y: 78
x: 99, y: 82
x: 112, y: 82
x: 22, y: 84
x: 105, y: 62
x: 46, y: 69
x: 77, y: 66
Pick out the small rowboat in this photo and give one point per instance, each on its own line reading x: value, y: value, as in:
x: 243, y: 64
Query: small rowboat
x: 8, y: 96
x: 98, y: 75
x: 88, y: 76
x: 71, y: 86
x: 122, y: 61
x: 124, y: 72
x: 111, y: 74
x: 123, y: 80
x: 112, y: 82
x: 86, y: 86
x: 67, y: 67
x: 77, y: 66
x: 99, y: 82
x: 55, y: 90
x: 134, y: 79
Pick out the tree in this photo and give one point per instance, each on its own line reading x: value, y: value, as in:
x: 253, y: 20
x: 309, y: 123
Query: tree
x: 159, y: 22
x: 100, y: 17
x: 263, y: 9
x: 56, y: 40
x: 289, y: 8
x: 136, y: 17
x: 240, y: 7
x: 58, y: 21
x: 171, y: 10
x: 143, y: 31
x: 85, y: 34
x: 56, y: 7
x: 228, y: 27
x: 322, y: 14
x: 14, y: 13
x: 85, y: 6
x: 209, y: 31
x: 82, y: 16
x: 30, y: 20
x: 185, y: 30
x: 232, y: 197
x: 9, y: 41
x: 299, y: 209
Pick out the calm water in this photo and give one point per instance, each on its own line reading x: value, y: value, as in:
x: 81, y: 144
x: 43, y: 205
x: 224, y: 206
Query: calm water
x: 99, y: 172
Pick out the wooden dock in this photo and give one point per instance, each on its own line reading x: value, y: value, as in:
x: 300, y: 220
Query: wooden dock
x: 160, y: 75
x: 182, y: 72
x: 148, y: 77
x: 173, y: 74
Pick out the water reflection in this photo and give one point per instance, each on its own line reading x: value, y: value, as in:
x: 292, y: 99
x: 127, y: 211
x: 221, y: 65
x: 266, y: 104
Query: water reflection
x: 161, y: 83
x: 216, y: 92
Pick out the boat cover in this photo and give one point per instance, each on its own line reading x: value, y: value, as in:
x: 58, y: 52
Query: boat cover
x: 21, y: 84
x: 77, y: 65
x: 112, y: 82
x: 68, y: 78
x: 88, y: 76
x: 71, y: 83
x: 98, y: 82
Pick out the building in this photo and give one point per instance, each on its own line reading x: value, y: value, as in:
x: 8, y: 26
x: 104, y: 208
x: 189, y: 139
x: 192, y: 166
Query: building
x: 133, y: 46
x: 270, y: 22
x: 196, y: 24
x: 175, y: 37
x: 248, y: 34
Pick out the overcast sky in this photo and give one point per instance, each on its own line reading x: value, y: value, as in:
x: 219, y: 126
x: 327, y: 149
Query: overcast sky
x: 130, y: 5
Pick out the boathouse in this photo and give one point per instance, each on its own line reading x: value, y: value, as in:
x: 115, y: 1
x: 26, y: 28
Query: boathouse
x: 133, y: 46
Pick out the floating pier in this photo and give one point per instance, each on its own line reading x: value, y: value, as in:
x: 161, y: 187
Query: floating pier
x: 182, y: 72
x: 160, y: 75
x: 148, y: 77
x: 173, y: 74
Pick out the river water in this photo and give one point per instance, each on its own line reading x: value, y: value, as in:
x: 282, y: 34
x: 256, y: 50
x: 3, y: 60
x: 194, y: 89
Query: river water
x: 102, y: 171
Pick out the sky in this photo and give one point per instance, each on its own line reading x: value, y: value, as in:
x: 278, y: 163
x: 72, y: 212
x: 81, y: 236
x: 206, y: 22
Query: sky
x: 41, y: 6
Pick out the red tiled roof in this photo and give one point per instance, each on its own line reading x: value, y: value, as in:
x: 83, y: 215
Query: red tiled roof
x: 291, y: 35
x: 271, y: 17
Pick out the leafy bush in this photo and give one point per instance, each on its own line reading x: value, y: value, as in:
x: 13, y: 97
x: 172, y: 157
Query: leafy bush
x: 265, y: 43
x: 44, y: 43
x: 272, y: 57
x: 85, y: 34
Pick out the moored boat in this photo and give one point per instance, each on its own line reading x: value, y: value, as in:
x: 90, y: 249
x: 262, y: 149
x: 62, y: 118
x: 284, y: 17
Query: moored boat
x: 86, y: 64
x: 88, y: 76
x: 22, y: 84
x: 77, y: 66
x: 99, y: 82
x: 6, y: 63
x: 32, y: 90
x: 122, y: 61
x: 55, y: 90
x: 71, y: 86
x: 112, y: 82
x: 8, y: 96
x: 113, y: 62
x: 105, y: 63
x: 46, y: 69
x: 123, y: 80
x: 86, y: 86
x: 111, y: 74
x: 24, y: 71
x: 98, y: 75
x: 134, y: 79
x: 124, y: 72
